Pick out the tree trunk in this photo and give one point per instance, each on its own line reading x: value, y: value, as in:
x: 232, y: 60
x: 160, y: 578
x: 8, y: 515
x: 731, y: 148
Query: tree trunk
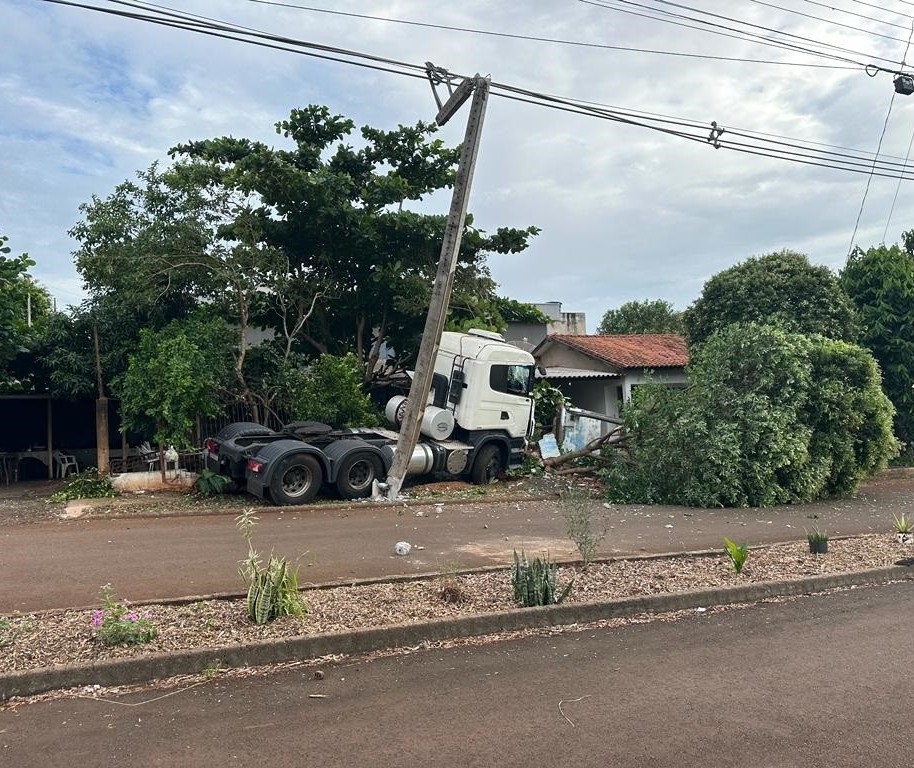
x: 102, y: 448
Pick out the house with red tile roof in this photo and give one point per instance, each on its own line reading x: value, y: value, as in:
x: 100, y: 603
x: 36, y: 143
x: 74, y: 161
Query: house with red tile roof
x: 597, y: 373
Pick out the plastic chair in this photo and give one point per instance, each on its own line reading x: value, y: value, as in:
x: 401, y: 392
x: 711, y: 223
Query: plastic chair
x: 148, y: 454
x: 64, y: 463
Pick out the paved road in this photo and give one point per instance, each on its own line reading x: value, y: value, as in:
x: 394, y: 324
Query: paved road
x: 62, y: 564
x: 821, y: 681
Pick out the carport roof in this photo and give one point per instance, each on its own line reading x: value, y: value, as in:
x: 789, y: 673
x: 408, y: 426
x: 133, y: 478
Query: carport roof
x: 578, y: 373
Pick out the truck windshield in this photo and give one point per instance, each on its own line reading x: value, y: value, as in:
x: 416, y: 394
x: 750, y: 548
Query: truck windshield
x: 512, y: 379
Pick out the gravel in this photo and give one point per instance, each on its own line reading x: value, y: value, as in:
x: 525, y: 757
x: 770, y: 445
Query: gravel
x: 66, y: 636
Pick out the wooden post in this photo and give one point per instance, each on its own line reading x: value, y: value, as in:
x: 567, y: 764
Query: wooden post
x: 102, y: 448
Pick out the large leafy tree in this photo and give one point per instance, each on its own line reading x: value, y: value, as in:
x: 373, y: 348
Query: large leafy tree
x: 880, y: 282
x: 341, y: 217
x: 770, y: 417
x: 781, y: 289
x: 649, y: 316
x: 314, y: 241
x: 25, y: 308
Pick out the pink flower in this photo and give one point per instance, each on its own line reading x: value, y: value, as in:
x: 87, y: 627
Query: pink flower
x: 97, y: 618
x: 132, y: 616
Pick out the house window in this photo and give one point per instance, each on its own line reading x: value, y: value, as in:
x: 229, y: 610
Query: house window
x: 512, y: 379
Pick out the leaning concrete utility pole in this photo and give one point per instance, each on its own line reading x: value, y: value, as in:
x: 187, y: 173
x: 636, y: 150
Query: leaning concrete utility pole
x: 441, y: 292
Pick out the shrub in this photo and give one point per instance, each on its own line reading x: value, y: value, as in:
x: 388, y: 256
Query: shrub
x: 116, y: 624
x: 577, y: 509
x: 533, y: 581
x: 738, y: 553
x: 272, y: 589
x: 84, y: 485
x: 209, y: 483
x: 331, y: 392
x: 770, y: 417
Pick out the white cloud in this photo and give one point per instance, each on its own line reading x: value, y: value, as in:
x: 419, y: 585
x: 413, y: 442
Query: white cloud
x: 87, y: 100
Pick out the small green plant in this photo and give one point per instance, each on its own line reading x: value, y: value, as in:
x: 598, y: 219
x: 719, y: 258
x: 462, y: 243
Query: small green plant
x: 533, y: 581
x: 10, y: 630
x: 902, y: 524
x: 577, y: 509
x: 818, y: 541
x: 116, y: 624
x: 214, y: 669
x: 815, y: 536
x: 211, y: 483
x: 272, y: 589
x: 738, y: 553
x: 84, y: 485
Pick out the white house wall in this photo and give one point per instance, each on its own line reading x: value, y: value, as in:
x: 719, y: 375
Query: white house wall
x: 634, y: 378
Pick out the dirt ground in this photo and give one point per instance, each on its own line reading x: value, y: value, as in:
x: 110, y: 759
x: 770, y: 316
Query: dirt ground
x: 891, y: 493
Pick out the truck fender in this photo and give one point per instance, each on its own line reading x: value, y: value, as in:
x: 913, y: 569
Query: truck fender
x: 504, y: 446
x: 272, y: 453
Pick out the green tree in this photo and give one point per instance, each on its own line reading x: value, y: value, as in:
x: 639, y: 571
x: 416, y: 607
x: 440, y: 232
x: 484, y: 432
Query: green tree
x: 880, y: 282
x: 781, y: 289
x: 649, y: 316
x: 340, y: 216
x: 330, y: 391
x: 173, y: 378
x: 25, y: 308
x: 313, y: 242
x: 769, y: 417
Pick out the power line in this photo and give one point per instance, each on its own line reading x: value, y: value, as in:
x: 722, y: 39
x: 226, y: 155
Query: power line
x: 827, y: 21
x: 534, y: 38
x: 716, y: 28
x: 862, y: 15
x: 691, y: 130
x: 850, y: 248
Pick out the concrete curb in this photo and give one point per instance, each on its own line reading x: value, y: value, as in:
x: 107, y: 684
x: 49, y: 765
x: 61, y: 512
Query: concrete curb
x: 142, y: 669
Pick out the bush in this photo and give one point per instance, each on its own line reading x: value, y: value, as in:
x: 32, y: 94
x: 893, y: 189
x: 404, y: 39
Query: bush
x: 84, y: 485
x: 332, y: 392
x: 577, y: 509
x: 209, y: 483
x: 770, y: 417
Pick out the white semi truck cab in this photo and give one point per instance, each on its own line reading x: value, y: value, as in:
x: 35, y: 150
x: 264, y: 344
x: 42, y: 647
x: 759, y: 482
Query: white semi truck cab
x: 477, y: 420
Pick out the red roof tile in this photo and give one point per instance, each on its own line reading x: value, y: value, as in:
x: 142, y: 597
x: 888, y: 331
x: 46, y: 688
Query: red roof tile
x: 632, y: 350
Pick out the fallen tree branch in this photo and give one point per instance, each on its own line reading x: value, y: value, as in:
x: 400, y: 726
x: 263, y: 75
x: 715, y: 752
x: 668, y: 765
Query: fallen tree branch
x: 615, y: 436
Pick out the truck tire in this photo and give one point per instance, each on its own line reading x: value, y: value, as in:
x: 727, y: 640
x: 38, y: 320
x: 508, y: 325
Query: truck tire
x: 488, y: 466
x: 358, y: 471
x: 297, y: 479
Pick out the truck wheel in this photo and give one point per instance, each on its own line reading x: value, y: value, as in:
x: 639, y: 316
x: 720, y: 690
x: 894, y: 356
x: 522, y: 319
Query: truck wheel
x: 296, y: 480
x: 357, y: 473
x: 488, y: 465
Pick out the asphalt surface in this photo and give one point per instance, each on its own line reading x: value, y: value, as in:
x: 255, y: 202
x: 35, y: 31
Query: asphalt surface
x: 62, y: 564
x: 817, y: 681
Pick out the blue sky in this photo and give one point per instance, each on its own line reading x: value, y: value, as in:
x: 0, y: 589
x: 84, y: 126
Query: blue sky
x: 87, y: 100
